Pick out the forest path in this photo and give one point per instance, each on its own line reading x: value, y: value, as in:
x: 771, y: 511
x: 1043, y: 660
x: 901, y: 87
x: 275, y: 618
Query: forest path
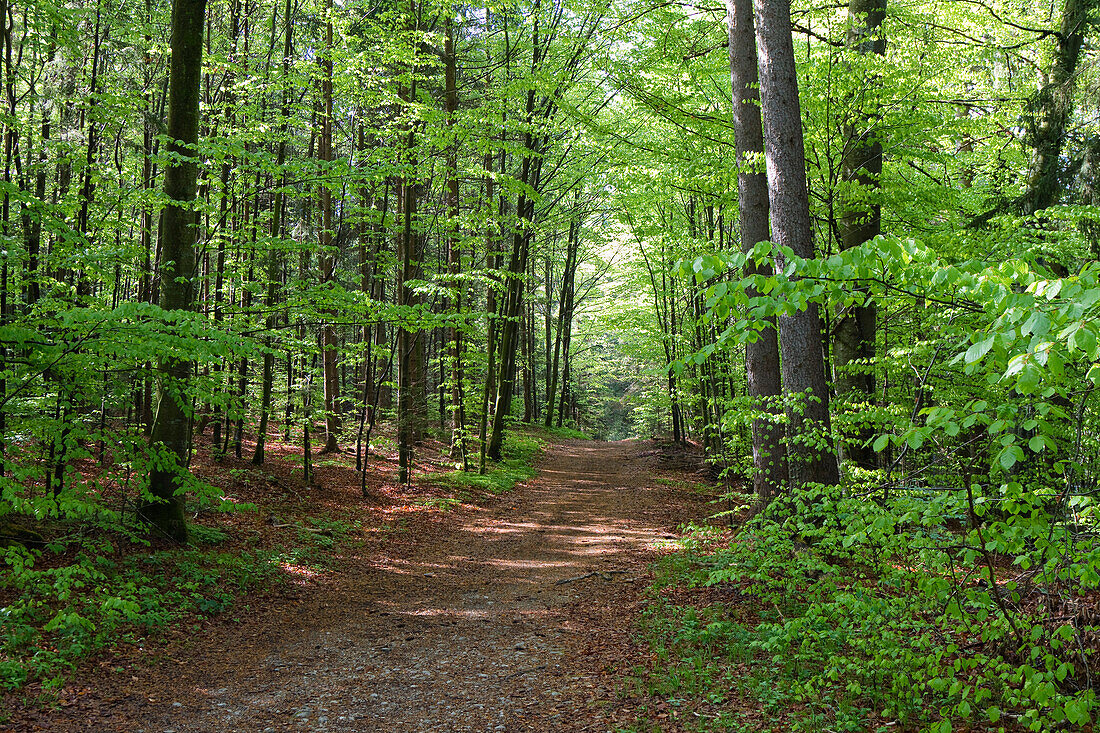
x: 487, y: 621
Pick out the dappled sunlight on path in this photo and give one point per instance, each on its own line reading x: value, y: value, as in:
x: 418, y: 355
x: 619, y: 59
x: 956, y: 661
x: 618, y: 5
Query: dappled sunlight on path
x: 463, y: 627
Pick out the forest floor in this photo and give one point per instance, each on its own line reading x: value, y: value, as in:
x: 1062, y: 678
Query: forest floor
x: 511, y: 613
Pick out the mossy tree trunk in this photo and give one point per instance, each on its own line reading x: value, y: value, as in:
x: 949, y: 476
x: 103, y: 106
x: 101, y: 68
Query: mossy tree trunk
x: 854, y: 352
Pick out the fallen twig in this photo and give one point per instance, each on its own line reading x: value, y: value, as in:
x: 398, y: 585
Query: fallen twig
x: 605, y: 574
x: 304, y: 529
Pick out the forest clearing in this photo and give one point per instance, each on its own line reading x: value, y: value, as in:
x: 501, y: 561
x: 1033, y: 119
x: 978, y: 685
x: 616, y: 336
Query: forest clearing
x: 313, y: 311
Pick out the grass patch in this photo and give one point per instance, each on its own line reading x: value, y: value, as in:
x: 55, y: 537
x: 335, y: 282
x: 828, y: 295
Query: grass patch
x: 442, y: 503
x: 520, y: 451
x: 696, y: 487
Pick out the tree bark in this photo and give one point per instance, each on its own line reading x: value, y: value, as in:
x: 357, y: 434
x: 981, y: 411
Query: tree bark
x: 565, y: 304
x: 1052, y: 106
x: 327, y: 256
x: 809, y: 442
x: 454, y: 253
x: 274, y: 260
x: 171, y: 432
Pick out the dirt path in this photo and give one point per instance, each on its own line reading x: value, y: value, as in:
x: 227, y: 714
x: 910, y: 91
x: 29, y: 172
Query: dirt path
x: 504, y: 618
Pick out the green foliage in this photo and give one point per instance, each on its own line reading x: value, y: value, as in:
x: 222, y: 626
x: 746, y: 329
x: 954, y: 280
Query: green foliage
x: 519, y: 454
x: 568, y: 433
x: 863, y: 612
x: 60, y: 614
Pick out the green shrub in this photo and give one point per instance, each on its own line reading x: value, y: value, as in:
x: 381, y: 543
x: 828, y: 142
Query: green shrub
x: 872, y: 611
x: 63, y: 613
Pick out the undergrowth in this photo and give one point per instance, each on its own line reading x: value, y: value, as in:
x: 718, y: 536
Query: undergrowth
x: 519, y: 453
x: 102, y: 597
x: 101, y: 582
x: 100, y: 588
x: 833, y: 612
x: 567, y: 433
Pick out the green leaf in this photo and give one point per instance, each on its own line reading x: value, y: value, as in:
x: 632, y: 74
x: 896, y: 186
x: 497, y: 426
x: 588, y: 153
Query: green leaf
x: 1077, y: 712
x: 1010, y: 456
x: 881, y: 442
x: 1028, y: 380
x: 978, y: 350
x: 1085, y: 340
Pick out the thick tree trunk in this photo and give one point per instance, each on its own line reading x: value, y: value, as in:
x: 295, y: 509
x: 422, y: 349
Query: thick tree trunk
x: 171, y: 432
x: 809, y: 442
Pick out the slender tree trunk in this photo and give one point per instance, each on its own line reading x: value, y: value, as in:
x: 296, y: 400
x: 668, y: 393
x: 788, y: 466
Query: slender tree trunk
x: 491, y: 320
x: 224, y: 205
x: 509, y: 337
x: 171, y: 432
x: 87, y: 185
x: 454, y: 253
x: 861, y: 168
x: 327, y: 257
x: 5, y: 213
x: 274, y: 263
x: 517, y: 266
x: 409, y: 376
x: 809, y: 436
x: 565, y: 300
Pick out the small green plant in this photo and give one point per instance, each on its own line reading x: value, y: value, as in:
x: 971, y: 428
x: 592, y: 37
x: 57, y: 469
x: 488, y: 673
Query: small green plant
x: 443, y: 503
x: 63, y: 613
x: 210, y: 536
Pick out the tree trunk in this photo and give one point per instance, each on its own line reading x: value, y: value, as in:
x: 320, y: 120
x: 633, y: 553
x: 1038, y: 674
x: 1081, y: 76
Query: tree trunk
x: 454, y: 253
x: 327, y: 256
x: 411, y: 397
x: 809, y: 441
x: 171, y: 432
x: 861, y: 170
x: 521, y: 237
x: 1052, y: 106
x: 509, y: 334
x: 565, y: 304
x: 274, y: 261
x: 491, y: 319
